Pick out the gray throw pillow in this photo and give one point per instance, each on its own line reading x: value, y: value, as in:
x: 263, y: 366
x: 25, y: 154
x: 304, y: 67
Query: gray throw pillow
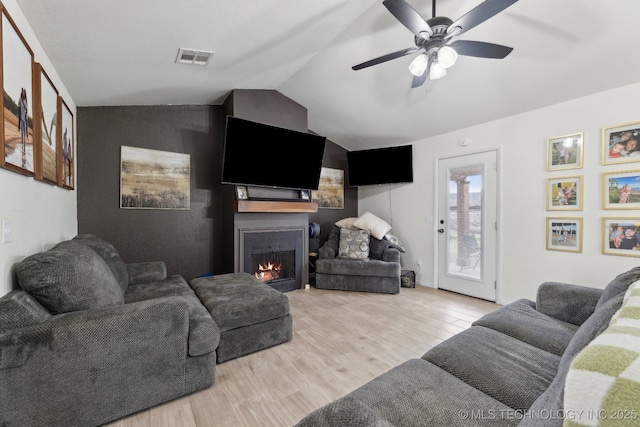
x: 354, y: 244
x: 69, y: 277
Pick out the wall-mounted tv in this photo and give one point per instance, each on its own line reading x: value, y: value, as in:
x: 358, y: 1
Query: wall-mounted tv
x: 261, y: 155
x: 388, y: 165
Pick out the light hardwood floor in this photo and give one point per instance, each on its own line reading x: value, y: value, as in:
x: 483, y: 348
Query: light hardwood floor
x: 340, y: 341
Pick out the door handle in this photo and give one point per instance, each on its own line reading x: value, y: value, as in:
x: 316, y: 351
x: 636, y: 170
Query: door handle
x: 440, y: 230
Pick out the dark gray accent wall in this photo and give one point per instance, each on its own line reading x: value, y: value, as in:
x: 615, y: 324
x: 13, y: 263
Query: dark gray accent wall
x: 190, y: 242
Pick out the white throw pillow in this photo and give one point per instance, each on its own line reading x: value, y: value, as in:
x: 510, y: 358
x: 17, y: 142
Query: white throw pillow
x: 374, y: 225
x: 346, y: 223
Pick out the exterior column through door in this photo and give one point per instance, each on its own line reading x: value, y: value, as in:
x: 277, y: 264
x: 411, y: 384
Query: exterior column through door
x: 462, y: 197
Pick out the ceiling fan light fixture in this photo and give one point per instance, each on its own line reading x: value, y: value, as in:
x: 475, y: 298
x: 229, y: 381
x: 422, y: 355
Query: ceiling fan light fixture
x: 419, y: 65
x: 437, y: 71
x: 447, y: 56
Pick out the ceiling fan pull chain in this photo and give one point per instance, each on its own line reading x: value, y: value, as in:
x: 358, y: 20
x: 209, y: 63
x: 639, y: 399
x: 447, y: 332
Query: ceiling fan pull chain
x: 433, y: 9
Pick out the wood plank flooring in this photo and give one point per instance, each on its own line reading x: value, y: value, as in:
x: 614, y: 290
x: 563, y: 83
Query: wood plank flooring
x: 341, y: 340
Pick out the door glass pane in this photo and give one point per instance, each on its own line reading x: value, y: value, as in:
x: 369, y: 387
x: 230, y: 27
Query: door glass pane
x: 464, y: 228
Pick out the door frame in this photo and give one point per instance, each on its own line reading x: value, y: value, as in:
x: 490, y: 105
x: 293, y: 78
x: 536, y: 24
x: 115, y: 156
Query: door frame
x: 434, y: 231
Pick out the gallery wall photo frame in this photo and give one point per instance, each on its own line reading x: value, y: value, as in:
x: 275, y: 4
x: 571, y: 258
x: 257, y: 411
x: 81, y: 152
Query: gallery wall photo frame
x: 154, y: 179
x: 17, y: 151
x: 46, y: 126
x: 66, y: 146
x: 621, y: 236
x: 564, y: 234
x: 621, y: 144
x: 565, y: 152
x: 621, y: 190
x: 564, y: 193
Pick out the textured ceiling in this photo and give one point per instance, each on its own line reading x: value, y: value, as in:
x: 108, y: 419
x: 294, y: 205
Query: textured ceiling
x: 123, y: 53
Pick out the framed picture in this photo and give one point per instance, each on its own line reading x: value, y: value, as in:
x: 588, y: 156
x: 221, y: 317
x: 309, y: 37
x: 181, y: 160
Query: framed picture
x: 241, y: 192
x: 621, y: 236
x: 153, y: 179
x: 304, y: 194
x: 564, y: 193
x: 565, y: 152
x: 621, y: 144
x: 621, y: 190
x: 66, y: 152
x: 16, y: 105
x: 46, y: 127
x: 564, y: 234
x: 330, y: 192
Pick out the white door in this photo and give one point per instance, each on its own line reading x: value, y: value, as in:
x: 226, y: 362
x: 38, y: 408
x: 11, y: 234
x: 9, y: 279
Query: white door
x: 467, y: 224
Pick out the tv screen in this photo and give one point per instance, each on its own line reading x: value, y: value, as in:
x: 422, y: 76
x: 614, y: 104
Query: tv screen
x: 261, y: 155
x: 380, y: 166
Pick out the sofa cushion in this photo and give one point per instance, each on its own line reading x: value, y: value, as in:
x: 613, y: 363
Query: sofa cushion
x: 521, y: 321
x: 366, y: 268
x: 19, y: 309
x: 619, y: 284
x: 377, y: 247
x: 509, y: 370
x: 377, y: 227
x: 354, y: 244
x: 109, y: 254
x: 204, y: 334
x: 69, y: 277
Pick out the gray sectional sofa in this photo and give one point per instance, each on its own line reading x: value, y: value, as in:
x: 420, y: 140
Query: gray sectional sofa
x: 88, y: 339
x: 509, y: 368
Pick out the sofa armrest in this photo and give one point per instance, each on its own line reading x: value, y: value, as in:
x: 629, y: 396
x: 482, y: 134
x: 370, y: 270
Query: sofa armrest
x: 113, y: 355
x: 325, y: 252
x: 567, y: 302
x: 143, y: 272
x: 391, y: 255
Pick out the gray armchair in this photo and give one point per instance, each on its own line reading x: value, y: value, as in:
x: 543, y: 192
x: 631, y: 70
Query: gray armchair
x: 379, y: 272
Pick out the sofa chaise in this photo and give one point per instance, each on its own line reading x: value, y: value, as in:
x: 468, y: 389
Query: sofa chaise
x: 87, y: 339
x: 512, y: 366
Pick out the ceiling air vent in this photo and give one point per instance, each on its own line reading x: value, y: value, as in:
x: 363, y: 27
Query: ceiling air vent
x: 192, y: 56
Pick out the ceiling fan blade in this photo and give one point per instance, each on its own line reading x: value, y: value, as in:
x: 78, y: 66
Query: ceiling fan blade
x: 481, y: 49
x: 478, y: 15
x: 419, y: 80
x: 409, y: 17
x: 385, y: 58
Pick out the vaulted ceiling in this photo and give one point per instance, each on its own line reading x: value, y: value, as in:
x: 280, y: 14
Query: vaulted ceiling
x: 123, y: 52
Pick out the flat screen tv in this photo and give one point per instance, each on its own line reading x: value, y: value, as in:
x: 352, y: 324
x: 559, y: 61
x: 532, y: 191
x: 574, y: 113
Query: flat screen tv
x: 261, y: 155
x: 388, y: 165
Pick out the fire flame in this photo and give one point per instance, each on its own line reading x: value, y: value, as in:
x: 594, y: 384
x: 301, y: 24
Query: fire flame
x: 268, y: 272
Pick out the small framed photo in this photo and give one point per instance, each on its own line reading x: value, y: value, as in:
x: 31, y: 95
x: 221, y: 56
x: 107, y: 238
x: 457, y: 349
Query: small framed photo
x: 621, y: 144
x: 304, y: 194
x: 564, y: 193
x: 241, y: 192
x: 564, y: 234
x: 621, y: 190
x: 565, y: 152
x: 621, y: 236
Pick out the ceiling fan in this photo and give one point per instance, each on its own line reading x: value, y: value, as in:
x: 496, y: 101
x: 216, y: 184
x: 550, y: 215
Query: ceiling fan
x: 433, y: 39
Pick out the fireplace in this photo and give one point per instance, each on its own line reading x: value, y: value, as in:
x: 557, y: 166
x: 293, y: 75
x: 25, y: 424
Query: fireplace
x: 273, y: 247
x: 275, y: 257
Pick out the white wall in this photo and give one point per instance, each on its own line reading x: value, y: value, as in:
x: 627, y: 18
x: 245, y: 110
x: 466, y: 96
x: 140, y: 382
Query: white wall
x: 524, y: 262
x: 41, y: 214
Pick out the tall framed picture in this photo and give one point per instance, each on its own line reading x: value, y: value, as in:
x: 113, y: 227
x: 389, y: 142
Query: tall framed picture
x: 565, y: 152
x: 564, y: 234
x: 621, y: 236
x: 16, y: 104
x: 46, y: 127
x: 621, y: 190
x: 564, y: 193
x: 621, y: 144
x: 330, y: 192
x: 66, y: 147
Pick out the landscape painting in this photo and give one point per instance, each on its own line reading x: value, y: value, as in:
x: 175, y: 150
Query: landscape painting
x: 17, y: 106
x: 621, y: 190
x: 68, y: 144
x: 48, y: 123
x: 153, y: 179
x: 330, y: 193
